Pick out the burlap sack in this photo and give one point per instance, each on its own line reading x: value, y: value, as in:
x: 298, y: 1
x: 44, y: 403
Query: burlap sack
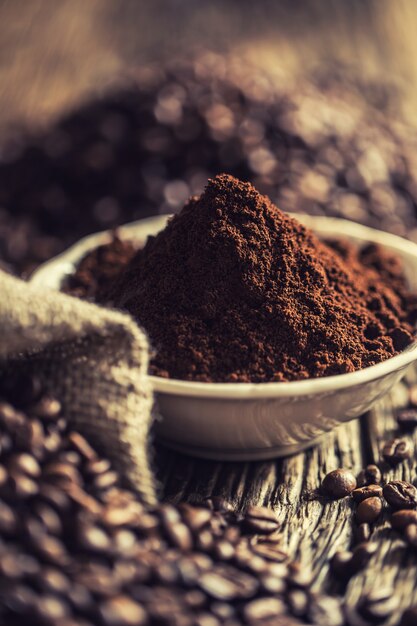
x: 94, y: 360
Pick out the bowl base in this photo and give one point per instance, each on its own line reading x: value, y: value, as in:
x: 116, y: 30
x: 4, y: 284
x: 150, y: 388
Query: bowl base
x: 238, y: 454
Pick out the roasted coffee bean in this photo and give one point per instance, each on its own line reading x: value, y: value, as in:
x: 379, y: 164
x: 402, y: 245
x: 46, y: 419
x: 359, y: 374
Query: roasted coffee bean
x: 51, y: 608
x: 21, y: 486
x: 369, y: 510
x: 260, y: 519
x: 400, y: 494
x: 52, y: 580
x: 9, y: 523
x: 93, y: 538
x: 407, y: 419
x: 227, y: 583
x: 122, y: 611
x: 403, y: 518
x: 179, y: 535
x: 263, y: 608
x: 24, y: 463
x: 47, y: 408
x: 368, y: 491
x: 105, y: 480
x: 82, y: 446
x: 298, y: 601
x: 128, y: 514
x: 338, y: 483
x: 96, y: 467
x: 397, y: 450
x: 50, y: 549
x: 195, y: 517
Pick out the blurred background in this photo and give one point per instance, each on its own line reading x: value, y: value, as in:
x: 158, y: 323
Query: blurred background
x: 111, y: 110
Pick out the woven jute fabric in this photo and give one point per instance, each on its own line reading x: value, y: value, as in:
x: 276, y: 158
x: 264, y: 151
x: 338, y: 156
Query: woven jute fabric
x: 94, y: 360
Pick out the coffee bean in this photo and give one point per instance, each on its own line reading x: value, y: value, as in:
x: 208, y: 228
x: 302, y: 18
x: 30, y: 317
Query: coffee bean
x: 263, y: 608
x: 368, y: 491
x: 21, y: 486
x: 298, y: 601
x: 50, y: 608
x: 82, y: 446
x: 260, y: 519
x: 47, y: 408
x: 61, y: 473
x: 400, y: 494
x: 402, y: 518
x: 338, y: 483
x: 105, y: 480
x: 369, y: 510
x: 96, y: 467
x: 228, y: 583
x: 123, y: 515
x: 407, y: 419
x: 24, y: 463
x: 52, y: 580
x: 93, y: 538
x: 122, y: 611
x: 195, y: 518
x: 397, y: 450
x: 8, y: 519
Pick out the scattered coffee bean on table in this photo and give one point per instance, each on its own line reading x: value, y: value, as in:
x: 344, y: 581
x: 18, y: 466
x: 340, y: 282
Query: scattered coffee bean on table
x: 400, y: 494
x: 370, y: 475
x: 397, y: 450
x: 369, y: 510
x: 362, y: 493
x: 338, y: 484
x: 403, y: 518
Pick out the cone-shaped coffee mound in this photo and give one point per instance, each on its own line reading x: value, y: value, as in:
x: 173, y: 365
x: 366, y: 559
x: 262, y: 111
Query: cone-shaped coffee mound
x: 235, y: 290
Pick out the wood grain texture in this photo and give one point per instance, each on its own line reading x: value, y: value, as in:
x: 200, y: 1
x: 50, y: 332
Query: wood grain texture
x: 313, y: 528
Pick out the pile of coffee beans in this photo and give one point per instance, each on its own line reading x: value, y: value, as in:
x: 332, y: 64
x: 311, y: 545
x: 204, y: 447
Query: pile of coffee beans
x: 77, y: 548
x: 324, y: 146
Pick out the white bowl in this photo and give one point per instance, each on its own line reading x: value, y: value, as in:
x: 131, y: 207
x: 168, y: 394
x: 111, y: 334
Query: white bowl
x: 243, y: 421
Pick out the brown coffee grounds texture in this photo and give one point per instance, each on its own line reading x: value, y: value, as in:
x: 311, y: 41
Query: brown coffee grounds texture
x: 235, y: 290
x: 99, y: 268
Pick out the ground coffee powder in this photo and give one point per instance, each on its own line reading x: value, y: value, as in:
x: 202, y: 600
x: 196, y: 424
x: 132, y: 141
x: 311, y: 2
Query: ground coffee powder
x: 235, y: 290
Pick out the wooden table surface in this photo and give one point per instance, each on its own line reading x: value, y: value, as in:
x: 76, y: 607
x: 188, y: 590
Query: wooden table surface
x: 313, y: 529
